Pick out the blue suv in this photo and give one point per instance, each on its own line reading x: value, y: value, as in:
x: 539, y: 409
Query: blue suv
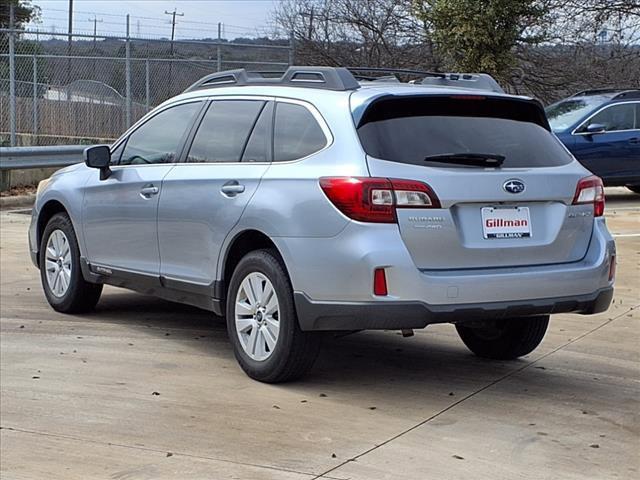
x: 601, y: 128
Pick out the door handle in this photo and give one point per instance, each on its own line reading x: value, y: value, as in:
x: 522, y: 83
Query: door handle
x: 634, y: 140
x: 232, y: 188
x: 149, y: 190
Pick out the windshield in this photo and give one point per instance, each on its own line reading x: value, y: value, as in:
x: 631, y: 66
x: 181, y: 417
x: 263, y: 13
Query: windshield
x: 566, y: 113
x: 413, y: 132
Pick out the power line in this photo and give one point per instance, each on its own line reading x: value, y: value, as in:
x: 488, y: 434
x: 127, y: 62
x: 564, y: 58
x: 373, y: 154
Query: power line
x: 157, y: 19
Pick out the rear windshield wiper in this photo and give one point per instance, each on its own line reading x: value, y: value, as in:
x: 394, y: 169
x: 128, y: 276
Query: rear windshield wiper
x: 470, y: 159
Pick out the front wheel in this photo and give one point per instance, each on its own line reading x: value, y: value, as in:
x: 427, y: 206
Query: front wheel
x: 65, y: 288
x: 262, y: 323
x: 504, y: 339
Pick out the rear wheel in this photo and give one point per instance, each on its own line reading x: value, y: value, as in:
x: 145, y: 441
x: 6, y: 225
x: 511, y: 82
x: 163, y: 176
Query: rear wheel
x: 65, y: 288
x: 504, y: 339
x: 634, y: 188
x: 262, y: 323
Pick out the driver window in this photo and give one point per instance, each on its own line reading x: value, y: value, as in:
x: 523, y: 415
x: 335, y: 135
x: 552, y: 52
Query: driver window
x: 158, y: 140
x: 115, y: 154
x: 617, y: 117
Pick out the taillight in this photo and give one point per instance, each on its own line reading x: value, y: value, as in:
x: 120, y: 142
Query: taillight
x: 369, y: 199
x: 590, y: 190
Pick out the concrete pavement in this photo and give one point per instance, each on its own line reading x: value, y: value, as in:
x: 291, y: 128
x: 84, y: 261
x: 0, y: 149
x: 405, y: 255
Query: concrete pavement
x: 146, y: 389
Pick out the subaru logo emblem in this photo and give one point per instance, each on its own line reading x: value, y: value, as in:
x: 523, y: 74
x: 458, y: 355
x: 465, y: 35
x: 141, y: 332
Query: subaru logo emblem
x: 513, y: 186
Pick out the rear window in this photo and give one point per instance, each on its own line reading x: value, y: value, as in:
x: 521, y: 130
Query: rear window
x: 407, y: 130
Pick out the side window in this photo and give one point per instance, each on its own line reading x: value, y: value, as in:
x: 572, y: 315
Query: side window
x: 116, y: 153
x: 617, y: 117
x: 158, y: 140
x: 224, y: 130
x: 258, y: 147
x: 296, y: 133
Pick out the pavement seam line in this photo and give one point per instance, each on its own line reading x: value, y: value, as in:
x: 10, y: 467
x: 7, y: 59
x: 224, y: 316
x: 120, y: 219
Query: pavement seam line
x: 155, y: 450
x: 473, y: 394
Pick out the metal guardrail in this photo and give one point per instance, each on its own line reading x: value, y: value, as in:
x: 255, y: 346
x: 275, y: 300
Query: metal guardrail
x: 20, y: 158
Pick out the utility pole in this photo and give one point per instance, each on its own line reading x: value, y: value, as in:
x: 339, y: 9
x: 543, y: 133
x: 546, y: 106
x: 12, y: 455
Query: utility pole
x: 70, y: 31
x: 173, y: 14
x: 95, y: 21
x: 219, y: 50
x: 70, y: 40
x: 127, y: 67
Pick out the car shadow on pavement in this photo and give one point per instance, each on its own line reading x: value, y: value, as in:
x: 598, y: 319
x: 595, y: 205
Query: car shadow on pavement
x: 434, y: 354
x: 376, y: 364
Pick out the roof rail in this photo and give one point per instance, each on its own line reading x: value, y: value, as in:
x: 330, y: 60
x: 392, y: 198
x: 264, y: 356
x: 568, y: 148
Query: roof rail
x: 599, y: 91
x: 342, y: 79
x: 478, y: 81
x: 328, y: 78
x: 631, y: 93
x: 382, y: 79
x: 396, y: 72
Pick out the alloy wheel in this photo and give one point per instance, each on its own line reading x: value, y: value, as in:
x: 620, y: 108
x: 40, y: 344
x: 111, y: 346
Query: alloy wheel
x: 58, y: 263
x: 257, y: 316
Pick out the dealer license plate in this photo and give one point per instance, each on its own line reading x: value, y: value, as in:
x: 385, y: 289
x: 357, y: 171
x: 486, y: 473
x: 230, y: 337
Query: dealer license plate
x: 513, y: 222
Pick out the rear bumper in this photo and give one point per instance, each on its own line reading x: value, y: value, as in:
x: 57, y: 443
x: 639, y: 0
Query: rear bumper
x: 315, y: 315
x: 333, y: 283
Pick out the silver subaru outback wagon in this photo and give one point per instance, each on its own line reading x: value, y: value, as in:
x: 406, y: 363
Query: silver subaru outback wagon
x: 325, y: 201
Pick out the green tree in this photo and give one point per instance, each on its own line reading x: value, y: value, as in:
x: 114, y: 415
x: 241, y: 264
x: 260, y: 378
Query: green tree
x: 481, y: 35
x: 24, y: 12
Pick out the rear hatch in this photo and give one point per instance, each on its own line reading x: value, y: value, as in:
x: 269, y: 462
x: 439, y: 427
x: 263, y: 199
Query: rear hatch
x: 504, y: 182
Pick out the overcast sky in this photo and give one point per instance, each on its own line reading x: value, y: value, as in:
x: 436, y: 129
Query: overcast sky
x: 240, y: 17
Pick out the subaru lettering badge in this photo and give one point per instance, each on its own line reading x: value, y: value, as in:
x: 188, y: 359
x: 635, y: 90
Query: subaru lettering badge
x: 513, y: 186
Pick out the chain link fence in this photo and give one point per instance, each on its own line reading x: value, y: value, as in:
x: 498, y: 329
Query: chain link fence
x: 90, y: 89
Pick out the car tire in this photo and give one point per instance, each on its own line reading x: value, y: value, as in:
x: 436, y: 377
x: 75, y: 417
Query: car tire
x: 634, y: 188
x: 505, y: 339
x: 60, y: 272
x: 253, y: 323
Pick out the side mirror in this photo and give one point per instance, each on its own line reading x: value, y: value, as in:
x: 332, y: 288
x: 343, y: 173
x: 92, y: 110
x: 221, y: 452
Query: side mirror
x: 99, y: 156
x: 595, y: 128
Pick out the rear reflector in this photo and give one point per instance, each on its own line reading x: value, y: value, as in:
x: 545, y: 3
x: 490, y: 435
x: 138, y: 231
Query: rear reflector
x: 612, y: 268
x: 369, y: 199
x: 379, y: 282
x: 590, y: 190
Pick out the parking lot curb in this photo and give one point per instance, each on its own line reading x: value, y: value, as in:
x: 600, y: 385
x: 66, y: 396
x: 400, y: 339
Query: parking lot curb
x: 17, y: 201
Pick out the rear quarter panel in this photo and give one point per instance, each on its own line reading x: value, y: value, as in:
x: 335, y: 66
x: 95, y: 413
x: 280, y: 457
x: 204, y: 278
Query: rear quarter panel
x: 289, y: 202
